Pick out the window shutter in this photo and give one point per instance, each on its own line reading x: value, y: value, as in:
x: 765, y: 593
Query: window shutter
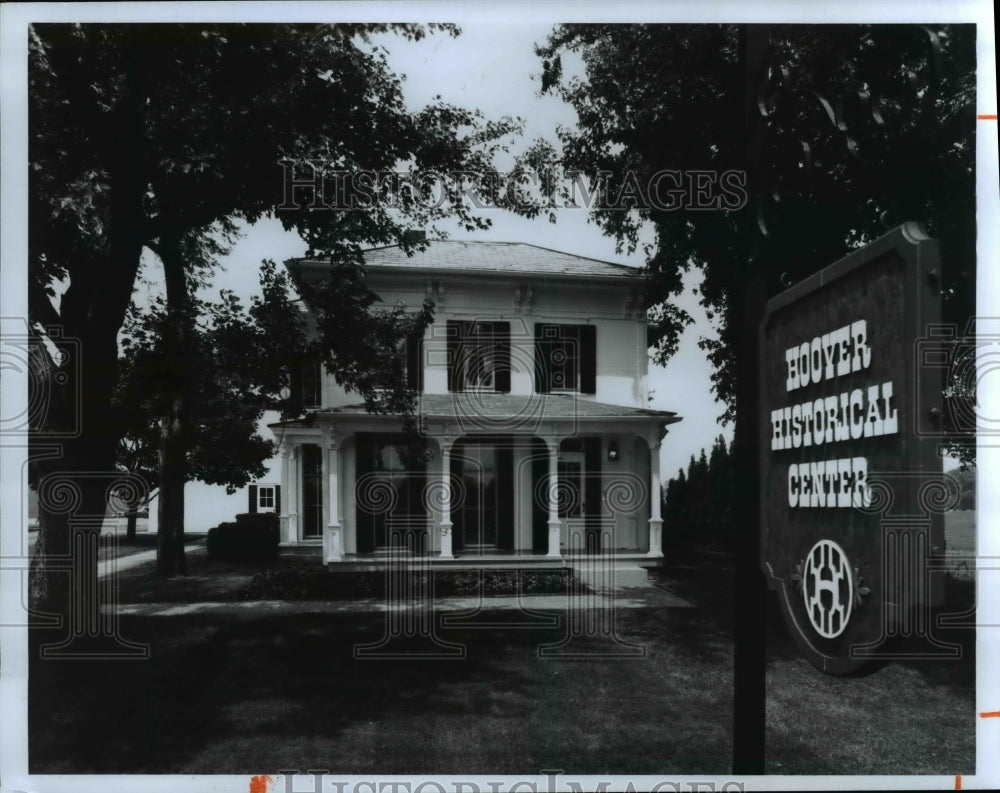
x: 542, y: 368
x: 501, y: 338
x: 453, y: 335
x: 277, y: 499
x: 414, y: 361
x: 252, y: 499
x: 588, y: 359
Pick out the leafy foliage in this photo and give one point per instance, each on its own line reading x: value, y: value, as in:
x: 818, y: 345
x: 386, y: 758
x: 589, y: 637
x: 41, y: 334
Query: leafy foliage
x: 232, y: 372
x: 657, y: 97
x: 163, y: 137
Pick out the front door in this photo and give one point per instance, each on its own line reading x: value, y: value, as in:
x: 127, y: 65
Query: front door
x: 483, y: 510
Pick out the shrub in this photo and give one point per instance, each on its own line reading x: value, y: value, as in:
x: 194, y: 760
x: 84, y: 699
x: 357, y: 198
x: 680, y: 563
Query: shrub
x: 252, y: 538
x: 316, y: 582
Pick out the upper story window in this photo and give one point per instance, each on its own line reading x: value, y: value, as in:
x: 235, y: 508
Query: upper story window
x: 478, y: 356
x: 312, y: 385
x: 565, y: 359
x: 306, y: 384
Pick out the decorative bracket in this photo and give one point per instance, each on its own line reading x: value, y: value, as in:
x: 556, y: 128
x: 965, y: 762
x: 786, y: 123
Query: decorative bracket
x: 633, y: 305
x: 523, y: 299
x: 434, y: 290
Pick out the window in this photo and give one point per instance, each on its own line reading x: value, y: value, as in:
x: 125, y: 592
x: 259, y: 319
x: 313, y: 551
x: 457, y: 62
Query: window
x: 478, y: 356
x: 265, y: 498
x: 570, y: 484
x: 480, y: 364
x: 311, y: 506
x: 306, y: 385
x: 312, y: 385
x: 565, y: 359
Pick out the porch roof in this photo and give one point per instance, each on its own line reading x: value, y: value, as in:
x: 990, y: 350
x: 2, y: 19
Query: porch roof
x: 497, y: 407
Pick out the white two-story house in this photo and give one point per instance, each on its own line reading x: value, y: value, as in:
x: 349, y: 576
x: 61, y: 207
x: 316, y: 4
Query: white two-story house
x: 532, y: 407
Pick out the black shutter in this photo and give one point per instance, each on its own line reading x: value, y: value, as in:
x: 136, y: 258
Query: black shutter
x: 453, y: 335
x: 414, y: 361
x: 501, y: 339
x: 542, y: 358
x: 588, y: 359
x: 592, y: 493
x: 277, y: 499
x: 252, y: 499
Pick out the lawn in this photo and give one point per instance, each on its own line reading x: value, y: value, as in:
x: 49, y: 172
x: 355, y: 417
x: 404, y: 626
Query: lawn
x: 254, y: 691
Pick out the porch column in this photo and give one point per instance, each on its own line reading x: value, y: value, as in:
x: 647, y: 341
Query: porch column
x: 655, y: 496
x: 553, y: 446
x: 286, y: 490
x: 446, y: 524
x: 294, y: 488
x: 333, y: 546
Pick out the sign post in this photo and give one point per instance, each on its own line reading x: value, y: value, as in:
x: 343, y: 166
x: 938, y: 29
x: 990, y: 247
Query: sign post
x: 852, y: 490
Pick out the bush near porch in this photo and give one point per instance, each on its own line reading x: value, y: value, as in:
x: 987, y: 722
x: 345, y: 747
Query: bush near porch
x: 311, y: 582
x: 252, y: 538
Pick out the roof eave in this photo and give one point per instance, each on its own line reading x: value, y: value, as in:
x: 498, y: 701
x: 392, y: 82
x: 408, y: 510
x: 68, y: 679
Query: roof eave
x: 624, y: 277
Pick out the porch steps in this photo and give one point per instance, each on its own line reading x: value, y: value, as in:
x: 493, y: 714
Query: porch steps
x: 602, y: 576
x: 301, y: 551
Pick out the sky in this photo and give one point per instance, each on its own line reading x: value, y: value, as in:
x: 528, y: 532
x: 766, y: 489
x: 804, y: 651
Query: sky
x: 493, y: 68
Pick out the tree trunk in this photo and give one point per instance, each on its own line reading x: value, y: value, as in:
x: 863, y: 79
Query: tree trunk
x: 748, y: 297
x: 132, y: 518
x: 170, y: 559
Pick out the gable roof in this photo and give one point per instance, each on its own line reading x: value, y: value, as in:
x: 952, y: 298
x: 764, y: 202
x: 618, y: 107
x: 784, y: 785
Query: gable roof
x: 501, y: 258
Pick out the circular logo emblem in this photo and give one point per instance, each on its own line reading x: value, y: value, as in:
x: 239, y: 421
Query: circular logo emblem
x: 827, y: 588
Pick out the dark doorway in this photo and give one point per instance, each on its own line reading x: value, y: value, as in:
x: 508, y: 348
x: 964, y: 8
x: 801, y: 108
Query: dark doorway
x: 483, y: 509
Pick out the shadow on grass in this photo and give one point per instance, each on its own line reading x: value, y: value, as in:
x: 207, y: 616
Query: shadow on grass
x: 256, y: 692
x: 250, y: 694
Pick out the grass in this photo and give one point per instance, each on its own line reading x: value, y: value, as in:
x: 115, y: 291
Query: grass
x: 115, y: 545
x: 960, y: 541
x: 235, y: 694
x: 254, y: 691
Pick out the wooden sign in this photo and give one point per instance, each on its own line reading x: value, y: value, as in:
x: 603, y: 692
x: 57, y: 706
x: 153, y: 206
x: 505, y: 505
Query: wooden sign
x: 851, y: 479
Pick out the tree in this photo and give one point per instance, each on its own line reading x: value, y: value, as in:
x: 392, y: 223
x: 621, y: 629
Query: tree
x: 867, y: 126
x: 721, y: 486
x: 232, y: 372
x: 662, y: 97
x: 699, y: 505
x: 675, y: 507
x: 149, y: 137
